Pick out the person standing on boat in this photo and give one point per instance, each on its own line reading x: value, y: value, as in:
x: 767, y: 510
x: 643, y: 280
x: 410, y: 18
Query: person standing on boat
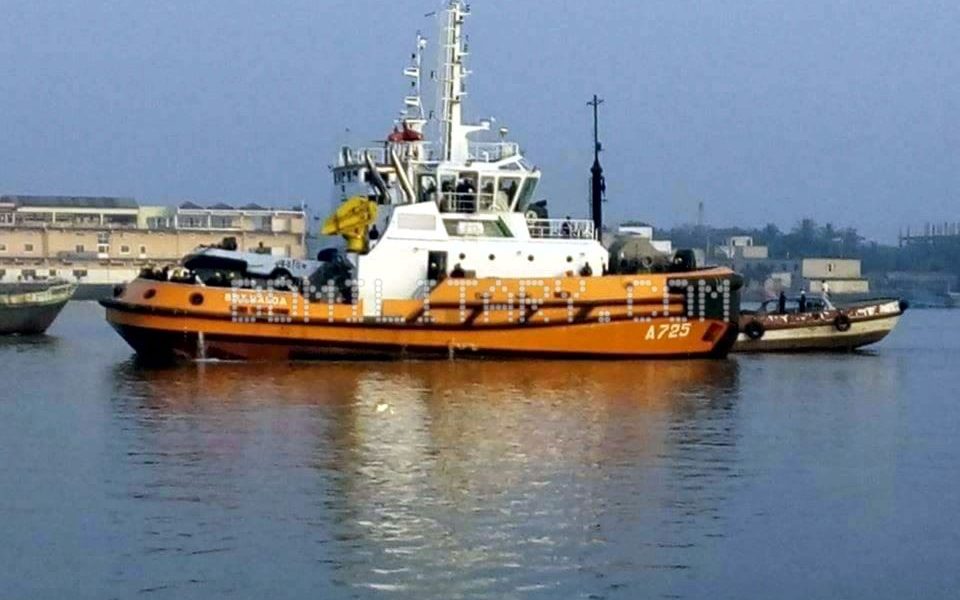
x: 825, y: 289
x: 782, y: 303
x: 803, y: 301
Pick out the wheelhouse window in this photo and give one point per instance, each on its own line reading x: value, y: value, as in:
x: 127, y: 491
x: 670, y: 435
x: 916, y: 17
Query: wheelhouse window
x: 489, y: 228
x: 507, y: 190
x: 526, y: 193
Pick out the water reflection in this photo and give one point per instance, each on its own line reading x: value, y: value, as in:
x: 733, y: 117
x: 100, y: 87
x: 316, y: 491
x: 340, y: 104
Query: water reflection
x: 458, y: 478
x: 32, y: 344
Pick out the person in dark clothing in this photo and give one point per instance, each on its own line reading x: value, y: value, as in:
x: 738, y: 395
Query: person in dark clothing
x: 466, y: 196
x: 782, y: 303
x: 374, y: 233
x: 803, y: 301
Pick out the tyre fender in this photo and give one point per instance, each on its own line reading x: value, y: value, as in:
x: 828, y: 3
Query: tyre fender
x: 842, y: 322
x: 754, y: 330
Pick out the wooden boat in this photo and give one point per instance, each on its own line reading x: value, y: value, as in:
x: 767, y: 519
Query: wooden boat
x: 817, y: 325
x: 29, y: 308
x: 446, y: 254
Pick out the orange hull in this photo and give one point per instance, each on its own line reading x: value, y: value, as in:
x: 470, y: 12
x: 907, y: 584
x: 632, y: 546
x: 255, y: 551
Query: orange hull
x: 656, y: 316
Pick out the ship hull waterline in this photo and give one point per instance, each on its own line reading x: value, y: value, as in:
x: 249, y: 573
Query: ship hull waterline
x: 29, y: 320
x: 30, y: 308
x: 164, y: 320
x: 166, y: 338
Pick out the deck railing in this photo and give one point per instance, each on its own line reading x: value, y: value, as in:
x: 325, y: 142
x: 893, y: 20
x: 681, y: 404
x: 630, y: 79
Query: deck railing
x: 578, y: 229
x: 492, y: 151
x: 426, y: 152
x: 466, y: 202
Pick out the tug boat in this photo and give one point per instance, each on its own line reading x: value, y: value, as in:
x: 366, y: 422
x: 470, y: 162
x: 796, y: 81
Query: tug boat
x: 445, y: 253
x: 815, y: 324
x: 30, y: 308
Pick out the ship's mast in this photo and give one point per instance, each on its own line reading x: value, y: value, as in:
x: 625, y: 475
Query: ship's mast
x: 413, y: 114
x: 453, y: 132
x: 597, y: 184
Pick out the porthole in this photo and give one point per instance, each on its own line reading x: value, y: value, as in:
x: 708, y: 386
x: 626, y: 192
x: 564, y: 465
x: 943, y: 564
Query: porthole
x: 196, y: 299
x: 492, y: 257
x: 149, y: 294
x: 462, y: 256
x: 530, y: 258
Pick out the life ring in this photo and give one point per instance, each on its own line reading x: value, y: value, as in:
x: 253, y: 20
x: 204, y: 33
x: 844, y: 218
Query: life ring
x: 842, y: 322
x: 754, y: 330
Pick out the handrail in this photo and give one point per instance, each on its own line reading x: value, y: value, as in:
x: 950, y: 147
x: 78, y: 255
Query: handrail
x: 492, y: 151
x: 578, y: 229
x: 466, y: 202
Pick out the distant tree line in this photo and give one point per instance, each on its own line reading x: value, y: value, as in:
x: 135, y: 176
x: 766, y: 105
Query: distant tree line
x: 810, y: 239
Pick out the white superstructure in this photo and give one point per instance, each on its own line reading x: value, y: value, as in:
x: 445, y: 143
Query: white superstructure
x: 461, y: 207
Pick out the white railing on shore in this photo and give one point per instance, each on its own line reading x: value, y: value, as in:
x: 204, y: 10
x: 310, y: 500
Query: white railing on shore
x: 578, y: 229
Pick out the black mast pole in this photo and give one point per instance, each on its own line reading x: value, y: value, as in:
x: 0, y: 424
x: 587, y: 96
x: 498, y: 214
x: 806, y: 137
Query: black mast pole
x: 598, y: 186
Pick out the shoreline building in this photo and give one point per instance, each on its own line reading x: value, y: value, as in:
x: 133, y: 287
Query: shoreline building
x: 100, y: 241
x: 842, y: 275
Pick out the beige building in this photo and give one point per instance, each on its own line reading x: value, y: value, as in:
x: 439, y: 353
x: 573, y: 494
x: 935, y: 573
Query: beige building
x: 839, y: 275
x: 742, y: 247
x: 108, y: 240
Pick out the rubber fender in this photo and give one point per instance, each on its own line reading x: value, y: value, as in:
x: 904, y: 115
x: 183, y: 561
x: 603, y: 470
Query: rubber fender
x: 754, y: 330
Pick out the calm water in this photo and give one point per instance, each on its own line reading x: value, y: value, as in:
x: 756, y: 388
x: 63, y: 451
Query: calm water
x: 787, y: 477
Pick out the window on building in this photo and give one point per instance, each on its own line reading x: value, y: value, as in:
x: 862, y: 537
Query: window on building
x: 28, y: 247
x: 124, y: 249
x: 78, y: 273
x: 103, y: 248
x: 143, y: 249
x: 192, y: 222
x: 103, y: 237
x: 80, y: 248
x: 262, y: 223
x: 3, y: 247
x: 53, y: 272
x: 159, y: 223
x: 28, y: 274
x: 221, y: 222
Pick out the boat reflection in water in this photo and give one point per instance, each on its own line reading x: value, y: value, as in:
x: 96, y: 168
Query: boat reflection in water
x: 454, y: 477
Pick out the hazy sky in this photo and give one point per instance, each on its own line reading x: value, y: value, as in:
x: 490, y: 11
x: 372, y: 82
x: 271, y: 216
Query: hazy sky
x: 766, y: 111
